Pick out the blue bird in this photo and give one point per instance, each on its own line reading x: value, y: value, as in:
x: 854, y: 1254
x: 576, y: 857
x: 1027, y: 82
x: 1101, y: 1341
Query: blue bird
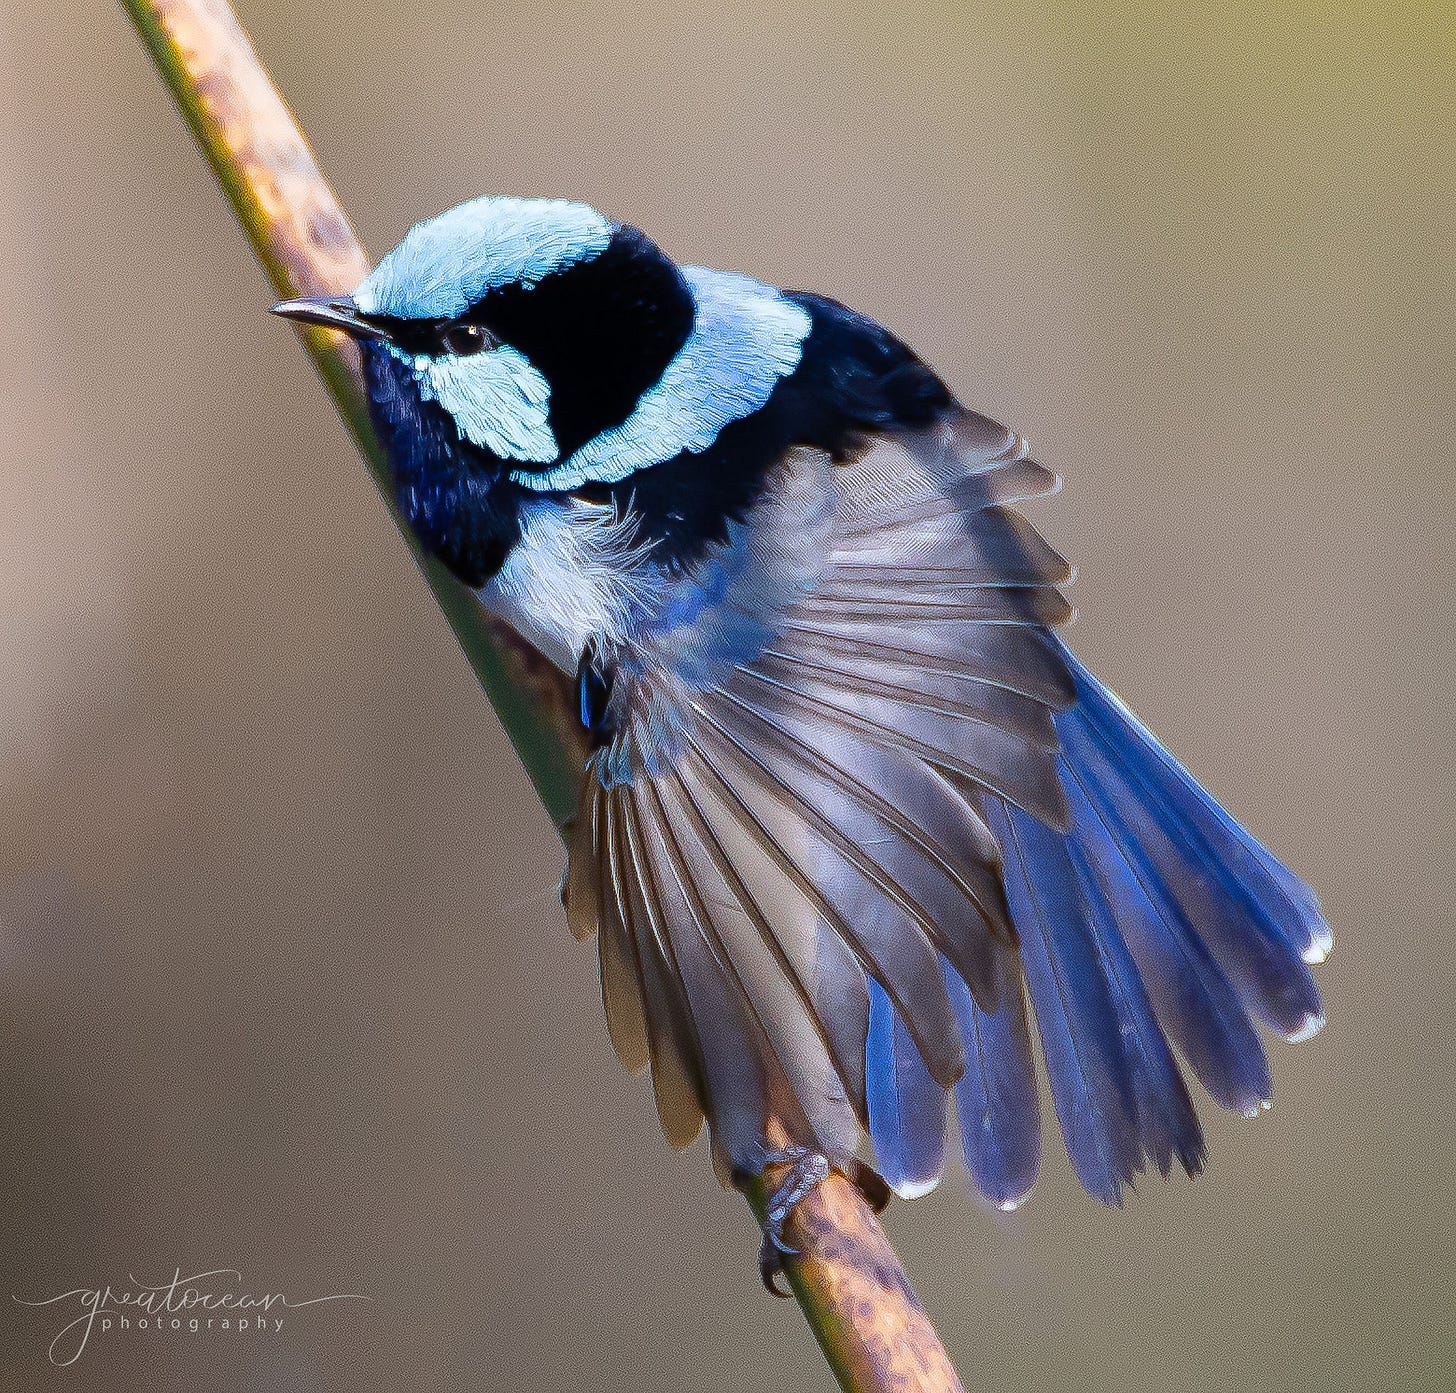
x: 856, y: 820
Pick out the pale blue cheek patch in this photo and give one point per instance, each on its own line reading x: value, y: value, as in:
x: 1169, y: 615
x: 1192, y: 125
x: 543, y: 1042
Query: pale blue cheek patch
x: 497, y: 399
x: 745, y: 338
x: 446, y: 265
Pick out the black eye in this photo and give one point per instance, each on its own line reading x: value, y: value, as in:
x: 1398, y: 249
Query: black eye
x: 464, y: 339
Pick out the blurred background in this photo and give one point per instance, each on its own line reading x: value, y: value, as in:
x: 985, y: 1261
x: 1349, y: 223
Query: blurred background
x: 284, y: 986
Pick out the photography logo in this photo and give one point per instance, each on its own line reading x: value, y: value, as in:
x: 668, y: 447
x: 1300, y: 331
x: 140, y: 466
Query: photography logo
x: 203, y: 1303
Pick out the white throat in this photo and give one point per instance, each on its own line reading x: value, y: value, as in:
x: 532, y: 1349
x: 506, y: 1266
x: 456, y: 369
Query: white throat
x: 578, y: 572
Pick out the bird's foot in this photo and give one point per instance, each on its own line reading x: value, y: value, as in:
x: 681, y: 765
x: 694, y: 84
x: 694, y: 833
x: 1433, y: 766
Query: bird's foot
x: 806, y: 1169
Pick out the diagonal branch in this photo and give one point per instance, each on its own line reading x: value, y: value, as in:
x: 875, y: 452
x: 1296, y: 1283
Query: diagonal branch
x: 849, y: 1282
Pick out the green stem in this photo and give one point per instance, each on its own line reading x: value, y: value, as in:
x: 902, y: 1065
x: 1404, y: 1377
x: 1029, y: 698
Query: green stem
x: 307, y: 247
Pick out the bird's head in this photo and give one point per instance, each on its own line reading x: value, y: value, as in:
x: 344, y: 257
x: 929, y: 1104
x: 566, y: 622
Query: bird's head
x: 517, y: 346
x: 534, y: 325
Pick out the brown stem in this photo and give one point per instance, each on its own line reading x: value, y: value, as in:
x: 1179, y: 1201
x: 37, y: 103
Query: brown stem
x: 855, y: 1295
x: 849, y: 1282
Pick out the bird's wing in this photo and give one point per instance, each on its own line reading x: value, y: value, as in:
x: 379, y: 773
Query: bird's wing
x: 859, y: 803
x: 785, y: 824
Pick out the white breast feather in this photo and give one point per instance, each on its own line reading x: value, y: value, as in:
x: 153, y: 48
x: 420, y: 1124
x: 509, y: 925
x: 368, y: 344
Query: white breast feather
x: 578, y: 572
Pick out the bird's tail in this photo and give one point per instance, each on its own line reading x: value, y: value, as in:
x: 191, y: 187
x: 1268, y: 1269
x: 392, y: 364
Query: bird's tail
x: 1153, y: 920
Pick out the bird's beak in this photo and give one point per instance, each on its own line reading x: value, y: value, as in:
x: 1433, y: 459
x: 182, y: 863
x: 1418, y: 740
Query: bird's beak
x: 332, y: 312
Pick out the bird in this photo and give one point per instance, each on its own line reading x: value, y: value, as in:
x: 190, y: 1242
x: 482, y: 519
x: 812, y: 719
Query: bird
x: 858, y: 835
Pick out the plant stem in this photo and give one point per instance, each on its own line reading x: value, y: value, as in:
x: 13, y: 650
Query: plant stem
x: 849, y: 1282
x: 307, y: 247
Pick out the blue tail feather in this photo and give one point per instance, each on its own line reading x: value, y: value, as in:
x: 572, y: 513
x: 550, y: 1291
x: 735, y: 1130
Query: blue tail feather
x: 1166, y: 1119
x: 1276, y: 902
x: 1077, y: 1017
x: 906, y: 1106
x: 1153, y: 921
x: 996, y: 1099
x: 1271, y: 977
x: 1194, y: 999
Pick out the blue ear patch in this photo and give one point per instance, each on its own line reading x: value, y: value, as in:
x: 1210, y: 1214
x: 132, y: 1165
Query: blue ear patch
x: 445, y: 265
x: 497, y: 400
x: 746, y: 337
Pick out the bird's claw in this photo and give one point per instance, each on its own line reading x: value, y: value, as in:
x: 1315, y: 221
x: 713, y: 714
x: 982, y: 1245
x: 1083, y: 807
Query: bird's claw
x: 806, y: 1169
x: 771, y: 1254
